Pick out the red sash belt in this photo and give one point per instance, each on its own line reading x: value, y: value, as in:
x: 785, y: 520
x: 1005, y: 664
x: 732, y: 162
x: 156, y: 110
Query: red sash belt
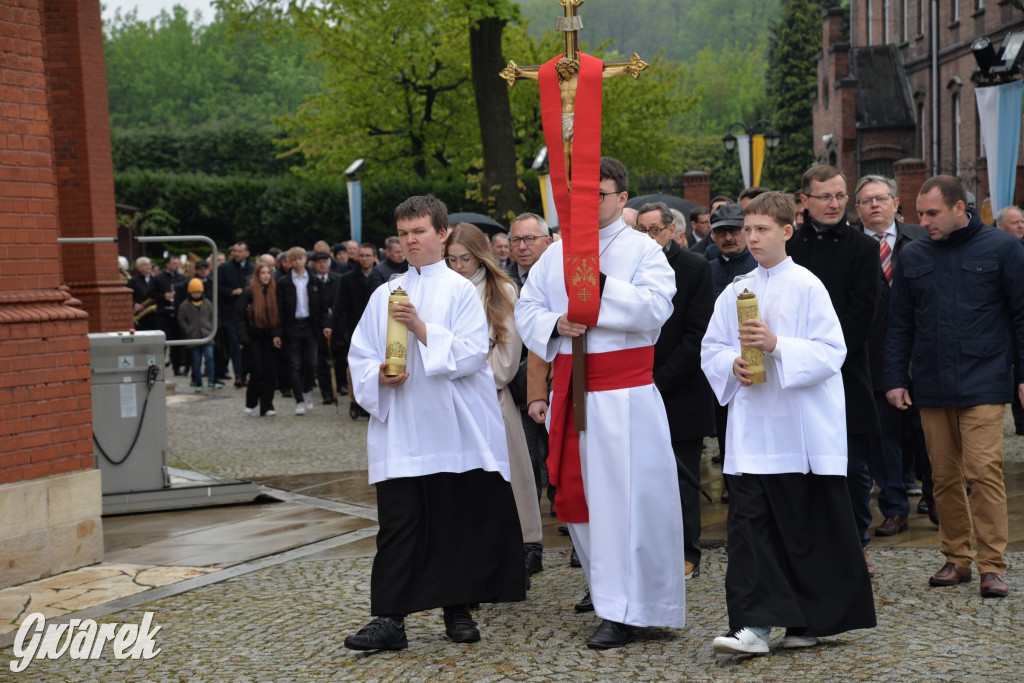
x: 605, y: 372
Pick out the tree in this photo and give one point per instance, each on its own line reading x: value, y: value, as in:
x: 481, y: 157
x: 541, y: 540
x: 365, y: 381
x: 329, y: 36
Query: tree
x: 792, y: 83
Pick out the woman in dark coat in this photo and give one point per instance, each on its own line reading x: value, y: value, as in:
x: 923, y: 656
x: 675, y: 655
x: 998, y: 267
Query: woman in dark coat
x: 259, y: 332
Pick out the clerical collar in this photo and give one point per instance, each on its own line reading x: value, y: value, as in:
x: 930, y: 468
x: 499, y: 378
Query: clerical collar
x: 612, y: 228
x: 776, y: 270
x: 430, y: 269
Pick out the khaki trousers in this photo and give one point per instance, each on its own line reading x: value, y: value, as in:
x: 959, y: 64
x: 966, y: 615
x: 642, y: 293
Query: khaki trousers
x: 967, y: 443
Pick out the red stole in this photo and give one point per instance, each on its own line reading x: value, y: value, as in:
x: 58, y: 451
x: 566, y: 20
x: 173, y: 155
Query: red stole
x: 605, y: 372
x: 576, y: 213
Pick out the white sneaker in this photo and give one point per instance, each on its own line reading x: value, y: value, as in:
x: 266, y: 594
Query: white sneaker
x: 300, y: 409
x: 791, y: 642
x: 250, y: 411
x: 309, y: 406
x: 270, y: 413
x: 740, y: 642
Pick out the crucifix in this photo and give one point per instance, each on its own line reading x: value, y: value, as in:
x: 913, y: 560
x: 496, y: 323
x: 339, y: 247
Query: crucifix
x: 559, y: 81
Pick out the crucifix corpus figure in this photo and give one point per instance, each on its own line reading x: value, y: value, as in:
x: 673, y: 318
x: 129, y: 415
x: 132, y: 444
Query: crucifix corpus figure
x: 581, y: 248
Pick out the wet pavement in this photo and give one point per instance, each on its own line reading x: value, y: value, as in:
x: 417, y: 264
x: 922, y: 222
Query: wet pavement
x: 267, y: 592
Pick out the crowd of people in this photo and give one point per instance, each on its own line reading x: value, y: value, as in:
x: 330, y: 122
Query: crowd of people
x: 889, y: 353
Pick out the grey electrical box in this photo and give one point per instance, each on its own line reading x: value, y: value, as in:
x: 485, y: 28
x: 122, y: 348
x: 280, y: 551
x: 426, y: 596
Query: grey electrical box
x: 129, y: 414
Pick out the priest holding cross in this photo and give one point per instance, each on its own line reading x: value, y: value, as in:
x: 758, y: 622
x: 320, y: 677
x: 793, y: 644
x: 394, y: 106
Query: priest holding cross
x: 594, y: 304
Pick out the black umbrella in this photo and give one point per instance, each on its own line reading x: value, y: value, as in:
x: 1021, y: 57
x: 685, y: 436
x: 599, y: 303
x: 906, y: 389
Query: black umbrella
x: 685, y: 206
x: 485, y: 223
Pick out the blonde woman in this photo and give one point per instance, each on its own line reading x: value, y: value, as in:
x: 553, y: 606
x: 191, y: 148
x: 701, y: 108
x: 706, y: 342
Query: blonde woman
x: 469, y: 254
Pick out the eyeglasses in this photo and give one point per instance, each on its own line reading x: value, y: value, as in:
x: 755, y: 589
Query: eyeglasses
x: 602, y: 195
x: 528, y: 240
x: 723, y: 229
x: 827, y: 198
x: 653, y: 232
x: 868, y: 201
x: 461, y: 259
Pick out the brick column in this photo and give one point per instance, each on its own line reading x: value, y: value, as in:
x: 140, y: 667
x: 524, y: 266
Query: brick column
x: 80, y: 126
x: 910, y: 176
x: 47, y: 479
x: 697, y: 188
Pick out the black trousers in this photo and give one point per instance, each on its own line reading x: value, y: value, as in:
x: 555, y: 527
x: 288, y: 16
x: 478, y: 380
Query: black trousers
x: 323, y: 369
x: 795, y: 557
x: 688, y: 452
x: 446, y: 539
x: 301, y: 357
x: 261, y: 363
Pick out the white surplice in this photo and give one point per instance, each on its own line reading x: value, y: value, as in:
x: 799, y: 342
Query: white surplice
x: 445, y: 417
x: 632, y: 547
x: 796, y: 420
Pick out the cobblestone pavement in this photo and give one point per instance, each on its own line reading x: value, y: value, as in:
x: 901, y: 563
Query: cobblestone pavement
x: 287, y: 622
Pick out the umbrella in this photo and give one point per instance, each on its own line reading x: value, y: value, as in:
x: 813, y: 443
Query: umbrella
x: 488, y: 225
x: 683, y: 205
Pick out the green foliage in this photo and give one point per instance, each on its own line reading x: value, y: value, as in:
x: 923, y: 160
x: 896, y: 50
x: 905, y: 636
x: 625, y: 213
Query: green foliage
x: 221, y: 148
x: 172, y: 71
x: 792, y: 82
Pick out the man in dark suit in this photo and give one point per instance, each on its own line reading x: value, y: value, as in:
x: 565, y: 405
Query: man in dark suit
x: 689, y: 402
x: 144, y: 295
x: 302, y: 308
x: 353, y: 293
x: 877, y: 202
x: 321, y: 263
x: 846, y: 261
x: 700, y: 233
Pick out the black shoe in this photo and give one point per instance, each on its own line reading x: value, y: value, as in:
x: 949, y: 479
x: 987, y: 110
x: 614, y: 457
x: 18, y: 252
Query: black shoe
x: 922, y: 506
x: 563, y: 530
x: 585, y: 605
x: 353, y: 411
x: 383, y: 633
x: 328, y: 401
x: 610, y: 634
x: 460, y: 627
x: 286, y: 394
x: 574, y: 559
x: 534, y: 556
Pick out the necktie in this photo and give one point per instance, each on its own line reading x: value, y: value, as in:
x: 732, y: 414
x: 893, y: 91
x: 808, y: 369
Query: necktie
x: 885, y: 254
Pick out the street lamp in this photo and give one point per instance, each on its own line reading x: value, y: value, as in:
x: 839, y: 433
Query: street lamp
x: 547, y: 196
x: 355, y: 198
x: 752, y: 145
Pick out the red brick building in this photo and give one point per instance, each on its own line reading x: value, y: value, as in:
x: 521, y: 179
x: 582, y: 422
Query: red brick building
x: 56, y: 180
x: 898, y: 91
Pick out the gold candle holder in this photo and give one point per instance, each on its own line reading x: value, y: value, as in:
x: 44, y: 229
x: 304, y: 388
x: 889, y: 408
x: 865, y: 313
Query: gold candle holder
x: 746, y: 309
x: 397, y: 339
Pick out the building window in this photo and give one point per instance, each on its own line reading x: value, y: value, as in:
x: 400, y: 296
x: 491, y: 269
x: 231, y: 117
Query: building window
x: 886, y: 17
x: 922, y: 152
x: 923, y: 5
x: 979, y: 5
x: 956, y: 10
x: 905, y: 22
x: 956, y: 134
x: 871, y: 19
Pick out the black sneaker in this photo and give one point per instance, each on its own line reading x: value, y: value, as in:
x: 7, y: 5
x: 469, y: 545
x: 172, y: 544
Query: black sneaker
x: 460, y: 627
x: 383, y: 633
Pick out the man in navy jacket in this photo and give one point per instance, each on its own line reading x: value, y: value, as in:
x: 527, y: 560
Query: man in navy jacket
x: 957, y: 306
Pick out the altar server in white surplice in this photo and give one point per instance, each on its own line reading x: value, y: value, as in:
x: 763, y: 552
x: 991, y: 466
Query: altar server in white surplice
x: 618, y: 488
x: 449, y: 533
x: 794, y: 555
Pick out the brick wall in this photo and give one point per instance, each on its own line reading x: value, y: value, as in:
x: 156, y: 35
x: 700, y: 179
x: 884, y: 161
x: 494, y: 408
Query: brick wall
x: 45, y: 411
x: 80, y: 125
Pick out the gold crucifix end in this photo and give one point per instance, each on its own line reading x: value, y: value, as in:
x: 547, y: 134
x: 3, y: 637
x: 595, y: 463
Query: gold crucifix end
x: 635, y: 66
x: 510, y: 73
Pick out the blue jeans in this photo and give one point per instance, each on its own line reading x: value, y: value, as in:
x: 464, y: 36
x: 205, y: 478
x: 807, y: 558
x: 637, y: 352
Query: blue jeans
x: 198, y: 354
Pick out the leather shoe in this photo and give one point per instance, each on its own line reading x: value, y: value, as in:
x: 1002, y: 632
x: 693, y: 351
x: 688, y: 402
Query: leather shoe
x: 574, y: 559
x: 460, y: 627
x: 867, y: 563
x: 725, y: 495
x: 585, y: 605
x: 383, y: 633
x: 892, y: 525
x: 993, y: 586
x: 610, y: 634
x: 950, y: 575
x: 534, y: 553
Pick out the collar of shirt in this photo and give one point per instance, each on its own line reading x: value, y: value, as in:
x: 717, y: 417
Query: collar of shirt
x: 890, y: 233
